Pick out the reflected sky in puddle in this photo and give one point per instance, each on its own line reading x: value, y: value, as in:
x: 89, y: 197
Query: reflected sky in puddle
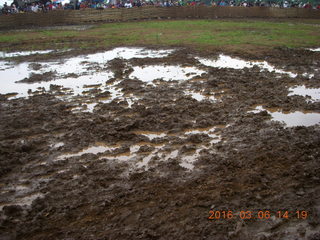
x: 188, y: 160
x: 292, y: 119
x: 172, y: 155
x: 151, y: 135
x: 141, y: 159
x: 128, y: 53
x: 167, y: 73
x: 92, y: 69
x: 20, y: 71
x: 23, y: 201
x: 22, y: 53
x: 86, y: 107
x: 199, y: 96
x: 121, y: 157
x: 314, y: 93
x: 146, y: 159
x: 209, y: 131
x: 314, y: 49
x: 57, y: 145
x: 225, y: 61
x: 98, y: 148
x: 133, y: 154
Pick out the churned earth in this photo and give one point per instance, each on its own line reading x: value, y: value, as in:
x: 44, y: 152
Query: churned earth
x: 139, y: 143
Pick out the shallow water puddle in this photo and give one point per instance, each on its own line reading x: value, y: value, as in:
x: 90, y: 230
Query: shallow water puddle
x: 208, y: 131
x: 121, y: 156
x: 10, y: 77
x: 188, y: 160
x: 167, y: 73
x: 314, y: 49
x: 297, y: 118
x: 85, y: 107
x: 308, y: 75
x: 98, y: 148
x: 200, y: 97
x: 173, y: 154
x: 97, y: 61
x: 89, y: 107
x: 151, y: 135
x: 292, y: 119
x: 57, y: 145
x: 147, y: 158
x: 133, y: 154
x: 71, y: 73
x: 22, y: 53
x: 225, y: 61
x: 314, y: 93
x: 145, y: 161
x: 23, y: 201
x: 129, y: 53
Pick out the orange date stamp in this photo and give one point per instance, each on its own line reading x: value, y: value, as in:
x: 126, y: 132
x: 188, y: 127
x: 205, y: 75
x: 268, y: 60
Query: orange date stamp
x: 259, y: 214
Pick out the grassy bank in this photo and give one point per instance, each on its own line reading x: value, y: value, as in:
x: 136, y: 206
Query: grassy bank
x: 240, y: 35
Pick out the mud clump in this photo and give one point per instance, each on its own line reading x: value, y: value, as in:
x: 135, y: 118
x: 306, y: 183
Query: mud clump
x: 34, y: 77
x: 129, y: 85
x: 118, y: 66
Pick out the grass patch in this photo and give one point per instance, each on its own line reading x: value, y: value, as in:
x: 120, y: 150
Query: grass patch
x: 201, y: 34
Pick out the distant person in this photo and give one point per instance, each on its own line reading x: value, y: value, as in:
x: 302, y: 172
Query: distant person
x: 308, y: 5
x: 34, y: 7
x: 222, y: 3
x: 128, y: 4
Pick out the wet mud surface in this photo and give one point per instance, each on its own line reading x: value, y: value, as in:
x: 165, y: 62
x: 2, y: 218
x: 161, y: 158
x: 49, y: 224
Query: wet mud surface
x: 142, y: 144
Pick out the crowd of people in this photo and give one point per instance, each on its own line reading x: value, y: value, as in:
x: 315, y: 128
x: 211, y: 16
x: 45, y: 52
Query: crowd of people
x: 48, y: 5
x: 27, y: 6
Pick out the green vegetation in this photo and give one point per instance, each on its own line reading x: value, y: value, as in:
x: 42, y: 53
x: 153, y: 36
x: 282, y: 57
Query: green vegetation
x: 203, y: 34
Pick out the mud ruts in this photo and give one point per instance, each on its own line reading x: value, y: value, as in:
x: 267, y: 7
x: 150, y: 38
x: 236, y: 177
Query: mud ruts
x: 124, y: 170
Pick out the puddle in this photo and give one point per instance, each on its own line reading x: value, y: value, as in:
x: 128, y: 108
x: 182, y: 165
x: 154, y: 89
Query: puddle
x: 172, y: 155
x: 200, y: 97
x: 151, y: 135
x: 130, y: 100
x: 24, y: 201
x: 167, y: 73
x: 21, y: 188
x: 292, y: 119
x: 57, y: 145
x: 22, y: 53
x: 308, y: 75
x: 297, y: 118
x: 314, y: 49
x: 187, y: 161
x: 98, y: 148
x: 145, y: 161
x: 225, y: 61
x: 209, y: 131
x: 314, y: 93
x: 133, y: 154
x: 75, y: 73
x: 129, y: 53
x: 121, y: 157
x: 9, y: 78
x: 87, y: 107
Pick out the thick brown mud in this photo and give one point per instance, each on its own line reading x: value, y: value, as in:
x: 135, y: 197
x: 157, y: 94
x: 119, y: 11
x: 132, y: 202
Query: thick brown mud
x: 134, y: 159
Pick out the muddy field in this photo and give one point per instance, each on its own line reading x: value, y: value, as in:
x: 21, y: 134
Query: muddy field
x: 139, y: 143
